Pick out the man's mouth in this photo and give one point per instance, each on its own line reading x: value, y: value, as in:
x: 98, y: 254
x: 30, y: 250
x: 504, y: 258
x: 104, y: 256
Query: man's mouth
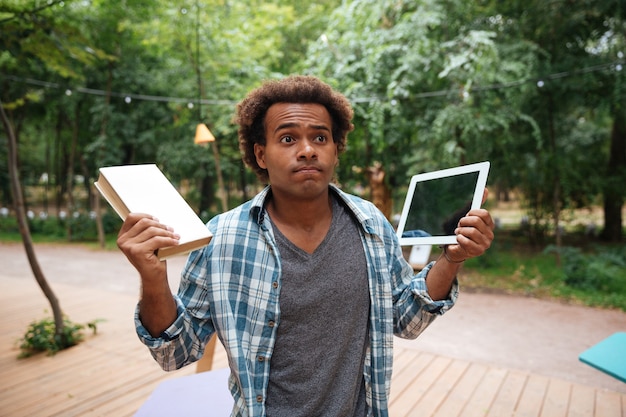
x: 308, y: 169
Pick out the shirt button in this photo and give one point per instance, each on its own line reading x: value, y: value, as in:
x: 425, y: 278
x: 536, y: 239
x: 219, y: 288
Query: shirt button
x: 261, y: 358
x: 259, y: 398
x: 275, y: 284
x: 271, y: 323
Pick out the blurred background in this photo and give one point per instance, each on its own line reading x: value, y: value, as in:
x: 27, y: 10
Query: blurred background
x: 536, y: 87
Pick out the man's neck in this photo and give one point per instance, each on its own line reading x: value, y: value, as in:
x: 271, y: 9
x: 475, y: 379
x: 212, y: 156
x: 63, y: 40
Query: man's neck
x: 303, y: 222
x: 304, y: 214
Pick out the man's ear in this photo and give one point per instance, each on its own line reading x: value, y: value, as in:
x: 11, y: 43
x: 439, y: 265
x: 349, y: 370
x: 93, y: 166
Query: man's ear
x: 259, y: 152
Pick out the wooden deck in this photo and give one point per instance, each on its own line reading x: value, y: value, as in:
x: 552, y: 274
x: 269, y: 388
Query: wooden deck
x: 112, y: 374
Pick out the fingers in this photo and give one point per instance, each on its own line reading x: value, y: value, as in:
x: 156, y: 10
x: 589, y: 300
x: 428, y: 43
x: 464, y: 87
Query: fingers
x: 141, y: 235
x: 485, y: 195
x: 474, y: 234
x: 142, y: 227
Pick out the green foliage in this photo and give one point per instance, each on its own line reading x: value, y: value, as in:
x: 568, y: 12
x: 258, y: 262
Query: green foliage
x: 8, y: 224
x: 79, y: 227
x: 434, y: 83
x: 603, y: 270
x: 41, y: 336
x: 593, y: 275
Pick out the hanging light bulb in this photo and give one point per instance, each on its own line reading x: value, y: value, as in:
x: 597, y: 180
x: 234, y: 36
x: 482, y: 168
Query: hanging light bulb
x: 203, y: 135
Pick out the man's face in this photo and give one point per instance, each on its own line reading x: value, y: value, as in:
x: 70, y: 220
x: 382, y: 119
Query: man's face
x: 299, y: 152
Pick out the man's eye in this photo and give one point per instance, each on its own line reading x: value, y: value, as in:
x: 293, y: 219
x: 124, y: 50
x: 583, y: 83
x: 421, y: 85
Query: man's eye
x: 286, y: 139
x: 321, y: 138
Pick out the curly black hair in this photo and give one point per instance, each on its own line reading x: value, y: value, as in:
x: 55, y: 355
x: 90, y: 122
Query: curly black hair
x: 252, y: 109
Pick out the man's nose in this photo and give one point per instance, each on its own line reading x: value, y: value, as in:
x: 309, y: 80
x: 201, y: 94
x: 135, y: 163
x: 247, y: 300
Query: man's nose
x: 306, y: 150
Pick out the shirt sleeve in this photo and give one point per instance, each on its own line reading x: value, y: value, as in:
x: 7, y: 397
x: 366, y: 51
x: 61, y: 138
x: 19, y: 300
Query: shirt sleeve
x: 414, y: 309
x: 420, y: 290
x: 173, y: 348
x: 184, y: 340
x: 169, y: 334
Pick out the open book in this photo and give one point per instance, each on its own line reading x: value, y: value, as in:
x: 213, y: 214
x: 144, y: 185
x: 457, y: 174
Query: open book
x: 144, y: 189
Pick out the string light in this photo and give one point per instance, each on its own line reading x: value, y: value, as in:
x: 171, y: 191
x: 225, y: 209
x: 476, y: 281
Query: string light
x: 128, y: 97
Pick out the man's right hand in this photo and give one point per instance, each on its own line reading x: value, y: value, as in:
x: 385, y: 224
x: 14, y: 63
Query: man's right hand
x: 140, y: 237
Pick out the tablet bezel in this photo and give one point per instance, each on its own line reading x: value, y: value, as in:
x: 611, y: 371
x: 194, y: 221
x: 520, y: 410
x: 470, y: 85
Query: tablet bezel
x: 483, y: 171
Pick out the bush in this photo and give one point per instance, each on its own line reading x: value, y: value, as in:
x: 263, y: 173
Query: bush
x: 8, y: 225
x: 603, y: 270
x: 80, y: 225
x: 50, y: 227
x: 41, y: 336
x: 111, y: 223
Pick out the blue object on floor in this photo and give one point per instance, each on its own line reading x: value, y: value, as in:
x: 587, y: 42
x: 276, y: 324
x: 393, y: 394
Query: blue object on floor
x: 608, y: 356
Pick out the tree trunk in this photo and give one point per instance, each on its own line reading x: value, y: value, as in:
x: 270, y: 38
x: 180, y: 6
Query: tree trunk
x: 615, y: 174
x: 207, y: 194
x: 99, y: 223
x: 59, y: 172
x: 220, y: 180
x: 71, y: 204
x: 556, y: 181
x: 381, y: 194
x: 20, y: 212
x: 103, y: 132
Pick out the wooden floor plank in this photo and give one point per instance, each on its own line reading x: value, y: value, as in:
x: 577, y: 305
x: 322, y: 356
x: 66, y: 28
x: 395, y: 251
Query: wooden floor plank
x: 440, y: 390
x: 557, y: 399
x: 608, y: 404
x: 533, y: 395
x: 481, y: 400
x: 404, y: 375
x: 508, y: 395
x: 462, y: 391
x: 81, y: 387
x: 582, y: 401
x: 412, y: 385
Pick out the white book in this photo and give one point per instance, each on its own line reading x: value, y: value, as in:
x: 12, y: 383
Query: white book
x: 145, y: 189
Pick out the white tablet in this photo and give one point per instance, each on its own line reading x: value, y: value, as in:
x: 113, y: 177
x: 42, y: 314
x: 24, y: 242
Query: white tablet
x: 436, y: 201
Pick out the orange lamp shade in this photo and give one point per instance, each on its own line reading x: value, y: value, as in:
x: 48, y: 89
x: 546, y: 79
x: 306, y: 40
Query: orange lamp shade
x: 203, y: 134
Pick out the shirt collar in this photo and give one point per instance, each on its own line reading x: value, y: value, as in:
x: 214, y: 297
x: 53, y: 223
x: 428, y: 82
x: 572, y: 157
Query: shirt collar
x: 258, y: 211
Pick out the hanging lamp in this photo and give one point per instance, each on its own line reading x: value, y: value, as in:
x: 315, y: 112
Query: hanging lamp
x: 203, y: 135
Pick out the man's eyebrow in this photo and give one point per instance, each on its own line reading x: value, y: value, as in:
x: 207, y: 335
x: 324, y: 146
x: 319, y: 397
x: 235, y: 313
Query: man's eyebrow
x: 285, y: 126
x: 293, y: 124
x: 321, y: 127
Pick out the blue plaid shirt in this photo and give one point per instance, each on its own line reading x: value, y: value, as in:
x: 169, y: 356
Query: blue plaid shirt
x: 232, y: 287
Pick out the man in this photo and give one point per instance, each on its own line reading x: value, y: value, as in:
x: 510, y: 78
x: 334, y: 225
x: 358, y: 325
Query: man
x: 304, y: 285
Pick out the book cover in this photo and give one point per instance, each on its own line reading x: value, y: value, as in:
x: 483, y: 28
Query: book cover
x: 145, y: 189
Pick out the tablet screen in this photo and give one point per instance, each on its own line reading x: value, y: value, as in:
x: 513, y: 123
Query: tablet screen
x: 436, y: 202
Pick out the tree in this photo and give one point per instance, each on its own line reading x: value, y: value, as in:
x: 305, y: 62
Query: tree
x: 421, y: 82
x: 532, y: 87
x: 457, y: 82
x: 34, y: 37
x: 579, y: 44
x: 18, y: 204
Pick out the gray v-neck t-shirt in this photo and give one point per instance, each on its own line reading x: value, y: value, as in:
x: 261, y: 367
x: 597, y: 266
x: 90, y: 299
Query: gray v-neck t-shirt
x: 316, y: 367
